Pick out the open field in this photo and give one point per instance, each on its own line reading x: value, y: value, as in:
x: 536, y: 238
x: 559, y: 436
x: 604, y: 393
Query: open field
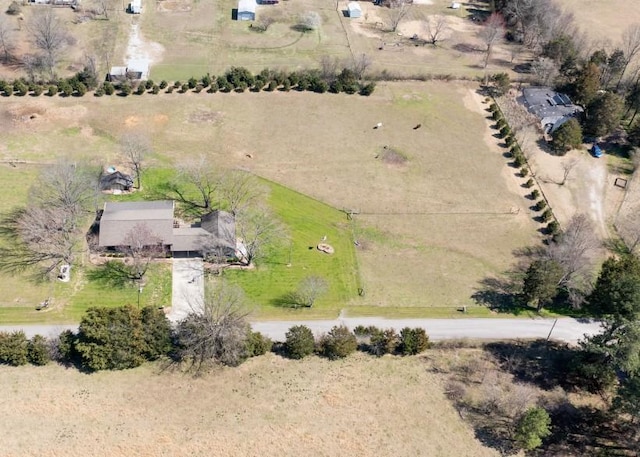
x: 268, y: 406
x: 603, y: 20
x: 200, y: 37
x: 430, y: 227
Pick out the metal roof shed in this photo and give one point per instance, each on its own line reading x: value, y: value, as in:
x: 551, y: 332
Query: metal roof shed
x: 354, y: 9
x: 247, y: 10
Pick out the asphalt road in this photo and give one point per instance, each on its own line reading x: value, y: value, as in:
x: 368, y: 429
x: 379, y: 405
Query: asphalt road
x: 566, y: 329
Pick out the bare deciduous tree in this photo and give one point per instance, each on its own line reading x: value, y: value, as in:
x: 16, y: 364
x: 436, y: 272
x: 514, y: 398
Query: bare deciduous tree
x: 574, y: 250
x: 567, y: 167
x: 48, y: 34
x: 259, y: 231
x: 135, y: 147
x: 200, y: 178
x: 310, y: 289
x: 329, y: 68
x: 264, y: 22
x: 545, y: 71
x: 217, y: 333
x: 630, y: 47
x: 398, y: 10
x: 239, y: 189
x: 437, y: 29
x: 360, y: 65
x: 7, y: 40
x: 309, y: 21
x: 103, y: 7
x: 68, y: 187
x: 140, y: 246
x: 490, y: 33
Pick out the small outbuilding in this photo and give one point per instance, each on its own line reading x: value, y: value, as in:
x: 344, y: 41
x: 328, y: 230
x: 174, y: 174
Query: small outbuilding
x: 115, y: 181
x: 247, y: 10
x: 135, y: 7
x: 455, y: 6
x: 354, y: 9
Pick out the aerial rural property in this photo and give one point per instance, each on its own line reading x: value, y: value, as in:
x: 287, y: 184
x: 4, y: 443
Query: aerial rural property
x: 287, y: 227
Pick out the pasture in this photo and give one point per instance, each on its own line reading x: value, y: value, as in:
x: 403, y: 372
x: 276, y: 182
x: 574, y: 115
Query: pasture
x: 361, y: 406
x: 430, y: 228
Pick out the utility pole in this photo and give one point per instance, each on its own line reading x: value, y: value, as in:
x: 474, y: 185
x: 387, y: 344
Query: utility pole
x: 552, y: 327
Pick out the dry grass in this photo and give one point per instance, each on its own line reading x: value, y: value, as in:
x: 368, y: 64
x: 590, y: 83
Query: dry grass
x: 604, y: 21
x: 432, y: 228
x: 269, y: 406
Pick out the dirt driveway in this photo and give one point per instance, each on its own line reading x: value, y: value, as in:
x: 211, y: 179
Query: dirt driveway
x: 188, y: 287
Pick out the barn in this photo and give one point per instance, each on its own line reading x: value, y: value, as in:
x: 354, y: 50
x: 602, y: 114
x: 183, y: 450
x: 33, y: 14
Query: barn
x: 247, y: 10
x: 354, y: 9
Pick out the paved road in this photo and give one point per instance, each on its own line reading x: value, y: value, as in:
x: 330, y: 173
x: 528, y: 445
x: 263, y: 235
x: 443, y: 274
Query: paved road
x: 188, y: 288
x: 566, y: 329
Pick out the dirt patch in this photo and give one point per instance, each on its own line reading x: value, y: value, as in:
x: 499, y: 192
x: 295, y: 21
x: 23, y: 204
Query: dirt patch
x: 160, y: 119
x: 166, y: 6
x: 142, y: 54
x: 206, y: 116
x: 131, y: 121
x: 391, y: 156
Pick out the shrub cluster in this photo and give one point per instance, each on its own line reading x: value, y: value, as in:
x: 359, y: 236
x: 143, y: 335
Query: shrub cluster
x: 16, y: 349
x: 77, y: 85
x: 340, y: 342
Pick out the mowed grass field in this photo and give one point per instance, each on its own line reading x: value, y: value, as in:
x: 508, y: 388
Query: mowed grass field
x: 604, y: 21
x: 429, y: 230
x: 269, y: 406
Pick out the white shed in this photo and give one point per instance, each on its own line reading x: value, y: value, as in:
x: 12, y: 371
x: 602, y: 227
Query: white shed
x: 135, y: 7
x: 247, y: 10
x: 354, y: 9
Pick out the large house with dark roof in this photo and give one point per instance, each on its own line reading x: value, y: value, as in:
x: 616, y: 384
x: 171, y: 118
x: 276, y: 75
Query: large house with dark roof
x: 215, y: 233
x: 552, y: 108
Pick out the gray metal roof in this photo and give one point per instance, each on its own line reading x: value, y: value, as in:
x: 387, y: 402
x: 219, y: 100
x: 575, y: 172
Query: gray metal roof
x: 547, y: 104
x: 189, y: 239
x: 119, y: 218
x: 222, y: 225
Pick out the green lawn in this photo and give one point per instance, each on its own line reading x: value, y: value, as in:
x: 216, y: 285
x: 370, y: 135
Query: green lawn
x: 307, y: 222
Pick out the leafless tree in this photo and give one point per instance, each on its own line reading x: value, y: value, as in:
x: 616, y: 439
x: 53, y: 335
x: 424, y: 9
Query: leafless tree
x: 264, y: 22
x: 48, y: 34
x: 490, y: 33
x: 544, y: 70
x: 360, y: 65
x: 140, y: 247
x: 310, y: 289
x: 103, y: 7
x: 238, y: 190
x: 398, y: 11
x: 39, y: 239
x: 574, y: 250
x: 135, y: 147
x: 35, y: 65
x: 630, y: 47
x: 218, y: 333
x: 69, y: 187
x: 329, y: 67
x: 197, y: 177
x: 259, y: 230
x: 309, y: 21
x: 7, y: 40
x: 567, y: 167
x: 437, y: 29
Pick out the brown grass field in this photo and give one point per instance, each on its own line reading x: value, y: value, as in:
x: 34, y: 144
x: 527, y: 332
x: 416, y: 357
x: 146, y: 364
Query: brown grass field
x: 268, y: 406
x: 430, y: 229
x: 604, y: 21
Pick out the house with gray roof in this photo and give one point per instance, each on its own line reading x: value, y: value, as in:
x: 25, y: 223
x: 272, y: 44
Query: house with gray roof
x: 214, y: 233
x: 552, y: 108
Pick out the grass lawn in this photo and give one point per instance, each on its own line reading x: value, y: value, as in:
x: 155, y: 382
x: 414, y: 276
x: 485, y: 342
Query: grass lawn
x: 307, y: 222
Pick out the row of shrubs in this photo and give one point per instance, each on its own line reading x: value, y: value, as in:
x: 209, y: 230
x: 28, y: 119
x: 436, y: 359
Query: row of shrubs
x: 340, y: 342
x: 520, y: 161
x: 237, y: 79
x: 126, y: 337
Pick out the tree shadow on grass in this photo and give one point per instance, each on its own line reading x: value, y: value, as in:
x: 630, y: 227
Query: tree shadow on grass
x: 290, y: 300
x: 110, y: 274
x: 500, y: 295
